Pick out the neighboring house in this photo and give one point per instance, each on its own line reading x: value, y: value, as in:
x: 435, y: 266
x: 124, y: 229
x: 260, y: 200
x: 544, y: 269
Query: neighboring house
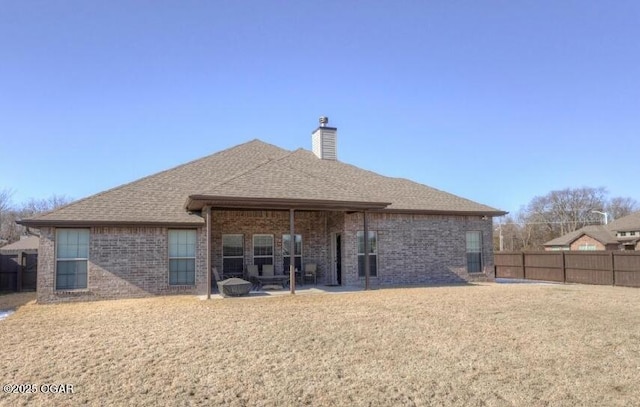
x: 18, y: 263
x: 162, y: 234
x: 627, y: 231
x: 621, y: 234
x: 26, y: 244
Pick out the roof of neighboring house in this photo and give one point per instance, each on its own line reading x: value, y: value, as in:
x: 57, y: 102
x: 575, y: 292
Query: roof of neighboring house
x: 626, y: 223
x: 597, y: 232
x: 260, y: 174
x: 26, y: 244
x: 605, y: 234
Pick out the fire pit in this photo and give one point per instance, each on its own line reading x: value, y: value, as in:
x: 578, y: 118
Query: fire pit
x: 234, y: 287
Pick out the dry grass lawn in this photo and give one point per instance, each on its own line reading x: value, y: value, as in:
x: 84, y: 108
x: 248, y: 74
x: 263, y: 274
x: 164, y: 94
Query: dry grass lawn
x: 480, y: 345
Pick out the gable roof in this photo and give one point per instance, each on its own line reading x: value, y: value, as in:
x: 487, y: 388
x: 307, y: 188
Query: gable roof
x: 597, y: 232
x: 254, y: 171
x: 605, y: 234
x: 626, y: 223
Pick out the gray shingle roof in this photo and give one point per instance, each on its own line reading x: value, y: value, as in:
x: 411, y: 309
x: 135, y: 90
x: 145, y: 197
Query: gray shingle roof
x: 30, y: 243
x: 598, y: 232
x: 253, y: 170
x: 627, y: 223
x: 605, y: 234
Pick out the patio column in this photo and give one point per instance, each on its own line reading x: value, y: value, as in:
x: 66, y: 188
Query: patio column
x: 366, y: 251
x: 292, y: 252
x: 207, y: 251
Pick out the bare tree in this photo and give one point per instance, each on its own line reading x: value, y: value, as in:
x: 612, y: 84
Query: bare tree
x: 10, y: 231
x: 566, y: 210
x: 5, y: 199
x: 5, y: 214
x: 560, y: 212
x: 35, y: 206
x: 619, y: 207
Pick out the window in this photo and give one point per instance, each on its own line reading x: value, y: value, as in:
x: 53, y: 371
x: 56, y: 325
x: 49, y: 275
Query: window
x: 373, y: 254
x: 587, y: 246
x: 182, y: 257
x: 72, y: 256
x: 232, y: 254
x: 622, y: 233
x: 286, y: 259
x: 474, y: 252
x: 262, y: 250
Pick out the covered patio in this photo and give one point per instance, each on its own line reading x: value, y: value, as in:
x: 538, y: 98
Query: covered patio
x: 243, y: 231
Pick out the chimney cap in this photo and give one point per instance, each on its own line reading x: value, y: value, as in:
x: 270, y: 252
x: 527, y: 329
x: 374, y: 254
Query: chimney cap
x: 324, y: 120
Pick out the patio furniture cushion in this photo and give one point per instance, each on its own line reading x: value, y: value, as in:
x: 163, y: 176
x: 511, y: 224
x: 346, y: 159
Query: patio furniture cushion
x: 267, y: 270
x: 234, y: 287
x: 310, y: 272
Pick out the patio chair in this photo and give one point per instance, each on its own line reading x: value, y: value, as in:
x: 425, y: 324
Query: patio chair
x: 252, y: 275
x: 310, y: 272
x: 216, y: 277
x: 267, y: 270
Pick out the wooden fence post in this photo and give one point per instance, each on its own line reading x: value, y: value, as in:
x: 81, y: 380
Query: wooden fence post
x: 524, y: 269
x: 613, y: 269
x: 564, y: 268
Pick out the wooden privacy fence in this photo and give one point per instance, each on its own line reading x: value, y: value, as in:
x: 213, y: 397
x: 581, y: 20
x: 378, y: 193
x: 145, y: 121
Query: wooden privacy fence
x: 18, y: 272
x: 620, y: 268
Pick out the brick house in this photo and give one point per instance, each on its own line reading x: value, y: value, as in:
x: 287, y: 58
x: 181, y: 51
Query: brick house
x: 162, y: 234
x: 621, y: 234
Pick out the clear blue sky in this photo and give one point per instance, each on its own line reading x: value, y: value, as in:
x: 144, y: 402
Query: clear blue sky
x: 495, y: 101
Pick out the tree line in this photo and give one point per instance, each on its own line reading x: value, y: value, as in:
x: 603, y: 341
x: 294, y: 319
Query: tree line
x: 10, y: 231
x: 557, y: 213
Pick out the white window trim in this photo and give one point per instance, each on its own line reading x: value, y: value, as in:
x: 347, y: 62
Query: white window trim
x: 232, y: 257
x: 374, y: 253
x: 55, y: 277
x: 480, y: 251
x: 195, y: 259
x: 253, y: 247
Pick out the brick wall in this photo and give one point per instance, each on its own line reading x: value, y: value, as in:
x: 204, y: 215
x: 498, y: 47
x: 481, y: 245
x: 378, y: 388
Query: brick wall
x: 418, y: 249
x: 311, y: 225
x: 585, y: 239
x: 124, y: 262
x: 127, y: 262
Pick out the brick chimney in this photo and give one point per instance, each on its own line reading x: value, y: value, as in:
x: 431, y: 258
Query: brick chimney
x: 323, y: 140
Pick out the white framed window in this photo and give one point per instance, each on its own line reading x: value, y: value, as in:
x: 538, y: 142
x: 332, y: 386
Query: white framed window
x: 373, y: 253
x: 262, y: 250
x: 72, y: 258
x: 232, y: 254
x: 182, y: 256
x: 587, y: 246
x: 286, y: 258
x: 474, y: 251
